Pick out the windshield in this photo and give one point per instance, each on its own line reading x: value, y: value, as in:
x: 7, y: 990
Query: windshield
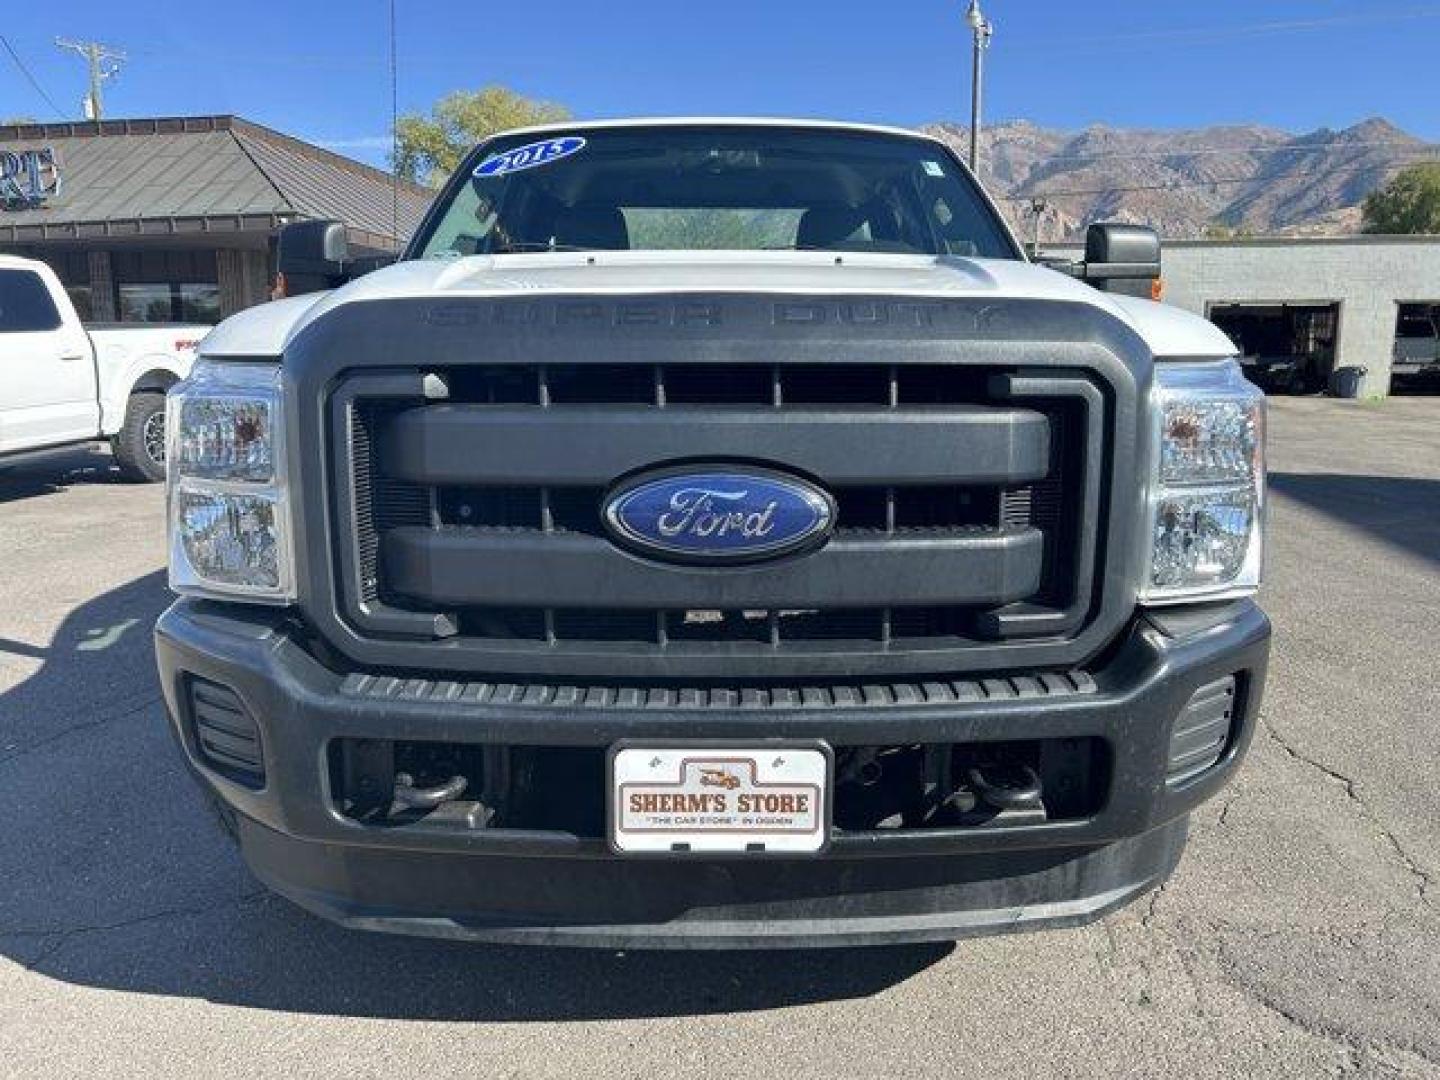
x: 709, y: 188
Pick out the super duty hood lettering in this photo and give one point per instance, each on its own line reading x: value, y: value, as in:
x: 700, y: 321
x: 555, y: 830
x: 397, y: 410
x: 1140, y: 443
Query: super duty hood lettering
x: 857, y: 314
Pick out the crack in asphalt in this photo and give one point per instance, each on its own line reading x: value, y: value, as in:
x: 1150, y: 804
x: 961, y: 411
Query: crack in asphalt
x: 1149, y: 917
x: 1187, y: 956
x: 55, y: 736
x: 1356, y: 1044
x: 65, y: 935
x: 1230, y: 800
x: 1422, y: 877
x: 1360, y: 1047
x: 1348, y: 1040
x: 1187, y: 953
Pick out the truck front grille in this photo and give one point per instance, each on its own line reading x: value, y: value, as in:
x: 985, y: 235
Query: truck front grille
x: 963, y: 511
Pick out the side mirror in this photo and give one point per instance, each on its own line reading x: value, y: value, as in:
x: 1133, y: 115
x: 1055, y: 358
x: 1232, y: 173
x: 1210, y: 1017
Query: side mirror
x: 1122, y: 258
x: 312, y: 255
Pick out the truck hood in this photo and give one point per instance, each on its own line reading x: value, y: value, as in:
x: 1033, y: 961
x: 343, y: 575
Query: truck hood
x: 265, y: 330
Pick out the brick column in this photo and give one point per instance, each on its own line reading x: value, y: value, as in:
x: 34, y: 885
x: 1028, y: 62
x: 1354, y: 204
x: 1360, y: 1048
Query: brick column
x: 102, y: 288
x: 257, y: 277
x: 231, y: 279
x: 243, y: 279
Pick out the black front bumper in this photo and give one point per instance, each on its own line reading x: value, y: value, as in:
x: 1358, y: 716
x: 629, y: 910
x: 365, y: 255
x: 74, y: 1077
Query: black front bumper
x: 556, y: 888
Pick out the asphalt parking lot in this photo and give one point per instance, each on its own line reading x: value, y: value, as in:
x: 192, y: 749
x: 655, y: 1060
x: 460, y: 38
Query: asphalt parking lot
x: 1300, y: 936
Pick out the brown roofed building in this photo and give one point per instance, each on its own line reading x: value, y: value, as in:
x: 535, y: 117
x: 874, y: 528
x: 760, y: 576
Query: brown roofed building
x: 175, y: 217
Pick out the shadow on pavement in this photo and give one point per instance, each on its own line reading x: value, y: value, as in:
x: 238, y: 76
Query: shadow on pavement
x: 1401, y: 511
x: 50, y: 475
x: 116, y: 877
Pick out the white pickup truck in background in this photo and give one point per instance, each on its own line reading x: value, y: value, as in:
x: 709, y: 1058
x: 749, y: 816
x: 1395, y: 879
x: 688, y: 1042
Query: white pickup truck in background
x: 1417, y: 343
x: 62, y: 383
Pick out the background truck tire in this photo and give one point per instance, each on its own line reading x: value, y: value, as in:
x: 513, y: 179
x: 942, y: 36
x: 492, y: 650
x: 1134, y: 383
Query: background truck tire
x: 140, y: 445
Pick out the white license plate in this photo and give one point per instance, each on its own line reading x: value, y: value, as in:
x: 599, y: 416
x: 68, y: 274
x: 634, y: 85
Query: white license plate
x: 701, y: 799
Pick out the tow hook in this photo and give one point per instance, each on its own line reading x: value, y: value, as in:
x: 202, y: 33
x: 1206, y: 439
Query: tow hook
x: 409, y: 797
x: 1006, y: 785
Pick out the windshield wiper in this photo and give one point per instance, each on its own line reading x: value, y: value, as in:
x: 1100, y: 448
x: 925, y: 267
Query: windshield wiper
x: 519, y: 246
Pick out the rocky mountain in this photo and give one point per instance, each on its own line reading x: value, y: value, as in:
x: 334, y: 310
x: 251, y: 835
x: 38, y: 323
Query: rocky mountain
x: 1245, y: 178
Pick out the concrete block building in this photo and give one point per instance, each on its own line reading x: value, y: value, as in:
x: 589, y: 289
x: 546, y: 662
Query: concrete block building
x: 1346, y: 296
x: 1342, y: 301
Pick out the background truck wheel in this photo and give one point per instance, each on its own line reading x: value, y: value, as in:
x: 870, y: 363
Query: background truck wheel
x: 140, y: 445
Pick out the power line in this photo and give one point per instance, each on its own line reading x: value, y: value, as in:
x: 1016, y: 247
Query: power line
x: 1226, y: 33
x: 34, y: 83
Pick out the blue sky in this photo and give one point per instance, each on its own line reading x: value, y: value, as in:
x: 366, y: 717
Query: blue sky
x: 304, y: 69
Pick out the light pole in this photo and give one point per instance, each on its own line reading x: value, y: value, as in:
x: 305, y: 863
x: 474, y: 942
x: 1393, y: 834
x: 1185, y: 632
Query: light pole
x: 982, y: 30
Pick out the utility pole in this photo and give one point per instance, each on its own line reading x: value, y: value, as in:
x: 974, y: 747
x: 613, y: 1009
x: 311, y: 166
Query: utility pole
x: 394, y: 133
x: 103, y: 62
x: 982, y: 30
x: 1038, y: 208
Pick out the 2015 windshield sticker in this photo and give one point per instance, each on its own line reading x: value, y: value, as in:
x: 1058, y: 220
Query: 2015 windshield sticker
x: 530, y: 156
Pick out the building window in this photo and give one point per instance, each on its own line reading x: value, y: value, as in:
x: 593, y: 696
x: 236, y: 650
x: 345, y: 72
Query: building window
x: 169, y: 302
x: 199, y: 303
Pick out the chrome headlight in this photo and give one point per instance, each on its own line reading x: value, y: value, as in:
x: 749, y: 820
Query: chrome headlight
x: 1208, y: 496
x: 227, y: 489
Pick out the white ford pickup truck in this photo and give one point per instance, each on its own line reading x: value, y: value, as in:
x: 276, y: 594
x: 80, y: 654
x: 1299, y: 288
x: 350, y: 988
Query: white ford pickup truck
x: 63, y: 384
x: 714, y: 534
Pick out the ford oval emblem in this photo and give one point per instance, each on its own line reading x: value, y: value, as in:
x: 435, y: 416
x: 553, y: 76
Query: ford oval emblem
x: 728, y: 515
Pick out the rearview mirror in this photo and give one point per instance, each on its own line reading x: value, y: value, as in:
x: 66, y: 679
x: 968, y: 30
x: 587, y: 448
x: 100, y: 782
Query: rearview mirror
x: 1121, y: 258
x: 315, y: 255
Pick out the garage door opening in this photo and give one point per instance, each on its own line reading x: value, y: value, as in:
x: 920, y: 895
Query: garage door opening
x: 1416, y: 358
x: 1284, y: 348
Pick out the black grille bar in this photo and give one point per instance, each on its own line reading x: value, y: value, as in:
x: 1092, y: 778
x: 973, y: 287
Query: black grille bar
x: 582, y: 446
x: 892, y: 510
x: 460, y: 566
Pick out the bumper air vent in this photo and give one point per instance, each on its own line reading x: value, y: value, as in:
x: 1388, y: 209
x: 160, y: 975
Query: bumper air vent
x: 1202, y: 730
x: 225, y: 733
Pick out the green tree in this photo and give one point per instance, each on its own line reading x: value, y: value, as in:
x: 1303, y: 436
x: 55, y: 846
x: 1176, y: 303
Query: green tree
x: 1409, y: 203
x: 430, y: 147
